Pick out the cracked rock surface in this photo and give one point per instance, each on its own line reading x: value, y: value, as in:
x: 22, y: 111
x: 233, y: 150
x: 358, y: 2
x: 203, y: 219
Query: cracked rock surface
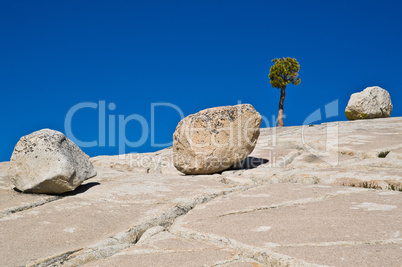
x: 302, y: 198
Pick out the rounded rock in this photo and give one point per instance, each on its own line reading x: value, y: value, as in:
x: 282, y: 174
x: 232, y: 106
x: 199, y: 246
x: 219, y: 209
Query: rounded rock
x: 214, y: 139
x: 46, y: 161
x: 372, y: 102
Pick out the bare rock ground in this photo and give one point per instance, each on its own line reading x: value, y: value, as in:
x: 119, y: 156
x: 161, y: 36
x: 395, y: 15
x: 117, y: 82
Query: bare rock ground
x: 307, y: 196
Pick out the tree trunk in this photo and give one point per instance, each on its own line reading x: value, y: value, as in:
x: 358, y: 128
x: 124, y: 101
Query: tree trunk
x: 280, y: 111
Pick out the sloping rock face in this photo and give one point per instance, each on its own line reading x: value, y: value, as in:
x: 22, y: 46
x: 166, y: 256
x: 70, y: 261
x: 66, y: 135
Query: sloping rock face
x: 214, y: 139
x: 372, y: 102
x: 336, y: 153
x: 46, y: 161
x: 307, y: 196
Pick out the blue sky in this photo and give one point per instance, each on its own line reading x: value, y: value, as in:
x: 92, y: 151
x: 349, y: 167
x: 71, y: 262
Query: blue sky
x: 192, y: 54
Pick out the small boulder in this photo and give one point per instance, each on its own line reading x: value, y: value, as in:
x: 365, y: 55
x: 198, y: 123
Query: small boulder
x: 214, y: 139
x: 47, y: 161
x: 372, y: 102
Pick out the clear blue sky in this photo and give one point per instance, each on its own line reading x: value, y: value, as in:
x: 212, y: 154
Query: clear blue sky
x: 193, y: 54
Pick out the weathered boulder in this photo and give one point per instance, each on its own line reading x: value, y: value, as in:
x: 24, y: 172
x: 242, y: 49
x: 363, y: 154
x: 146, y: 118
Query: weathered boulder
x: 46, y: 161
x: 372, y: 102
x: 214, y: 139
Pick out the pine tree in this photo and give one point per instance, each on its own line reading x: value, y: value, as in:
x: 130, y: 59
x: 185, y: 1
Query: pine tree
x: 283, y: 72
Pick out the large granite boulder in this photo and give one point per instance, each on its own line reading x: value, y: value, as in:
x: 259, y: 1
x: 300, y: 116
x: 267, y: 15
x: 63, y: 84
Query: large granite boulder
x: 372, y: 102
x: 47, y: 161
x: 214, y: 139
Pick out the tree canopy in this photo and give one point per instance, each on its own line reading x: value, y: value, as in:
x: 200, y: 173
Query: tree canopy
x: 283, y: 72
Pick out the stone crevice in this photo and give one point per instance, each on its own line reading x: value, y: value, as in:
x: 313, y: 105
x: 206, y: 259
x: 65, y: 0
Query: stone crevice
x: 132, y: 236
x: 347, y: 243
x: 53, y: 260
x: 27, y: 206
x: 295, y: 202
x: 261, y: 255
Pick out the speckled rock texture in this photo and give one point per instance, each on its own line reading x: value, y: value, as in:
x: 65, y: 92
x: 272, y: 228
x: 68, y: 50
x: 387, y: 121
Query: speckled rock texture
x: 372, y: 102
x: 46, y: 161
x: 214, y: 139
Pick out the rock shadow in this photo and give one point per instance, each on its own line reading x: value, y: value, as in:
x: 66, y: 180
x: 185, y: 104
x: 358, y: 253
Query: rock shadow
x: 248, y: 163
x: 79, y: 190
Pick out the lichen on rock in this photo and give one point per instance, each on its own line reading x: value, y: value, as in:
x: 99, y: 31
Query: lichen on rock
x: 372, y: 102
x: 46, y: 161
